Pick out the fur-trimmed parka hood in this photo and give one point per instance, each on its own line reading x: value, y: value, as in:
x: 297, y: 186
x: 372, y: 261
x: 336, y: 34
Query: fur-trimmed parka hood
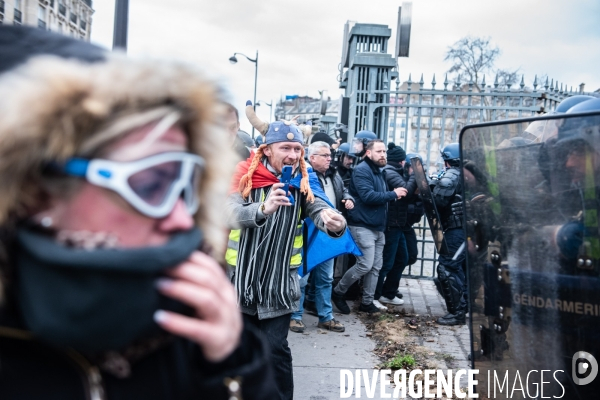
x: 56, y: 92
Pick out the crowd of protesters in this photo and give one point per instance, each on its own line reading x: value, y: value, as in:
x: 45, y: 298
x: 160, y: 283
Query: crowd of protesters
x: 111, y: 245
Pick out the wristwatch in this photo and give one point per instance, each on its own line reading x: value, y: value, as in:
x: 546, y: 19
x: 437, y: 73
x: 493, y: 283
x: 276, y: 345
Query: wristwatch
x: 262, y: 209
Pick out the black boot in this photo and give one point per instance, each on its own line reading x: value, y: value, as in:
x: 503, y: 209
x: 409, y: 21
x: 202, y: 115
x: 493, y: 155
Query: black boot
x: 445, y: 296
x: 310, y: 307
x: 450, y: 289
x: 452, y: 292
x: 339, y: 302
x: 452, y: 319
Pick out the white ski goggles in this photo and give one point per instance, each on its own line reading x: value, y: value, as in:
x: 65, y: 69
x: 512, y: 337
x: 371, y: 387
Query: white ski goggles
x: 151, y: 185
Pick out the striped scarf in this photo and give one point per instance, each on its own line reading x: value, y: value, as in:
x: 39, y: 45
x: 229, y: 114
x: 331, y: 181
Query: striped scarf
x: 263, y: 265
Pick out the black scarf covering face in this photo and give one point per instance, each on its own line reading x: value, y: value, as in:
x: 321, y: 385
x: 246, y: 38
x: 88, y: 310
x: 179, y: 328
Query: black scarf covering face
x: 94, y: 300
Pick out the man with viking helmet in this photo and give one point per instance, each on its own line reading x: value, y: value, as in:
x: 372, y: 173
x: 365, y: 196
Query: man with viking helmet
x: 266, y: 249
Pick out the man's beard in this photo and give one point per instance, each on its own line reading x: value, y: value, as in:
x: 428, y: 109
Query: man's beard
x: 381, y: 162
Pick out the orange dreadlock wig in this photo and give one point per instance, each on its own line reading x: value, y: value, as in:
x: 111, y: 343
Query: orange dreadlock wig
x: 246, y: 181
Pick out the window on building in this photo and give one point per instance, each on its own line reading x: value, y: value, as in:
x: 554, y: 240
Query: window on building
x: 83, y: 20
x: 18, y: 16
x: 73, y: 18
x: 51, y: 3
x: 62, y: 8
x: 2, y: 8
x: 41, y: 17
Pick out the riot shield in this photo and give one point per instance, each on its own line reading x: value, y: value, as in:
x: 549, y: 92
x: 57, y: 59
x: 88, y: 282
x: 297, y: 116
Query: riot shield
x: 534, y: 280
x: 433, y: 217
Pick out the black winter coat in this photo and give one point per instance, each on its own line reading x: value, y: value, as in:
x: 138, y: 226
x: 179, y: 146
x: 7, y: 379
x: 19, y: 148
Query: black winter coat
x: 371, y: 194
x: 398, y: 209
x: 30, y: 369
x: 345, y: 174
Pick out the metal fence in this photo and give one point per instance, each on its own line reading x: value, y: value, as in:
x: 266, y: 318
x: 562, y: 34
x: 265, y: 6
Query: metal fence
x: 430, y: 118
x: 426, y: 119
x: 424, y: 267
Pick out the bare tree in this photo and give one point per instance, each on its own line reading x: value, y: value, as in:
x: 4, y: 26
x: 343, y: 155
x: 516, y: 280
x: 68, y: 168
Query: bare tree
x: 507, y: 78
x: 472, y: 57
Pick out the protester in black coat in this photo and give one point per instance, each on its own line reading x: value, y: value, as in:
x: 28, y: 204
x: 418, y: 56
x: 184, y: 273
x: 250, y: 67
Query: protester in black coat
x: 113, y: 174
x: 395, y: 252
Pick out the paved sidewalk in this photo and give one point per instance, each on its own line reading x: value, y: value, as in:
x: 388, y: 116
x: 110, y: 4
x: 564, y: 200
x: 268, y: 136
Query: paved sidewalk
x: 320, y: 355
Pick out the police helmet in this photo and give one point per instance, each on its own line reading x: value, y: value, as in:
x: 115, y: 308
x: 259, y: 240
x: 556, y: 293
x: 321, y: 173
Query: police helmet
x: 359, y: 143
x: 575, y: 131
x: 410, y: 156
x: 592, y: 104
x: 344, y: 148
x: 451, y: 152
x: 570, y: 102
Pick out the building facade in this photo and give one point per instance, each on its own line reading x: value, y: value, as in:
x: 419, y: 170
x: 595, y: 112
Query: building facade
x: 69, y: 17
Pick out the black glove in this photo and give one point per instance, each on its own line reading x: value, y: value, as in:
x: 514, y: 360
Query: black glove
x: 457, y: 207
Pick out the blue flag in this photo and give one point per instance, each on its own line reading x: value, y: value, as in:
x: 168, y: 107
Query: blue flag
x: 322, y: 247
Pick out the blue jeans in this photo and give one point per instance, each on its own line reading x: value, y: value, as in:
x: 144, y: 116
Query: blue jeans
x: 395, y: 259
x: 319, y: 292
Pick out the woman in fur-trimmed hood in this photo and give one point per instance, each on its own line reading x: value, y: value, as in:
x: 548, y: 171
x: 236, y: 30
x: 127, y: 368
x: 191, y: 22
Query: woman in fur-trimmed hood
x: 112, y: 174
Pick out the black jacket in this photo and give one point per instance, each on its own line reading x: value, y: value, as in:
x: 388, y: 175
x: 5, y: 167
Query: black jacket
x: 345, y: 174
x: 371, y: 194
x: 398, y: 210
x: 30, y: 369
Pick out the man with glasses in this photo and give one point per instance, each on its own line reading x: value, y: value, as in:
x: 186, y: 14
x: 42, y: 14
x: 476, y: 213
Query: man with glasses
x: 318, y: 298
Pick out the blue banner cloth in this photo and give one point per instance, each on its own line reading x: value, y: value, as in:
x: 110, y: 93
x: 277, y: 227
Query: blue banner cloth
x: 322, y: 247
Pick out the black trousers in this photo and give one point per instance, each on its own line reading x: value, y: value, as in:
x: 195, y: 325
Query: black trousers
x: 411, y: 244
x: 275, y: 330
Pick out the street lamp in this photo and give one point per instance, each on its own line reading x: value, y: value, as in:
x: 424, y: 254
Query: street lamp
x: 267, y: 104
x: 233, y: 60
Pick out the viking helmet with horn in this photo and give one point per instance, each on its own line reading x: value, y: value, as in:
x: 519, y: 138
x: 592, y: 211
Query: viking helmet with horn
x: 278, y: 131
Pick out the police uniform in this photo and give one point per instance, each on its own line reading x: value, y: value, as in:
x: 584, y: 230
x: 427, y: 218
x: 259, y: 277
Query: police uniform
x: 451, y: 280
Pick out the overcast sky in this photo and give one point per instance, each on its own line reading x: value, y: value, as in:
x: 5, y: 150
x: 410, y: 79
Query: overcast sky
x: 300, y: 42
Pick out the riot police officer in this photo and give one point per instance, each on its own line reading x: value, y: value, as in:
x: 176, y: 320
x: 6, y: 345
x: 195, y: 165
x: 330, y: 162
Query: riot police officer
x: 451, y: 281
x: 345, y: 163
x: 359, y: 143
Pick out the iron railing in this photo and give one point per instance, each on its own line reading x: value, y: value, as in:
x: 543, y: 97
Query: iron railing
x: 424, y: 267
x: 433, y: 118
